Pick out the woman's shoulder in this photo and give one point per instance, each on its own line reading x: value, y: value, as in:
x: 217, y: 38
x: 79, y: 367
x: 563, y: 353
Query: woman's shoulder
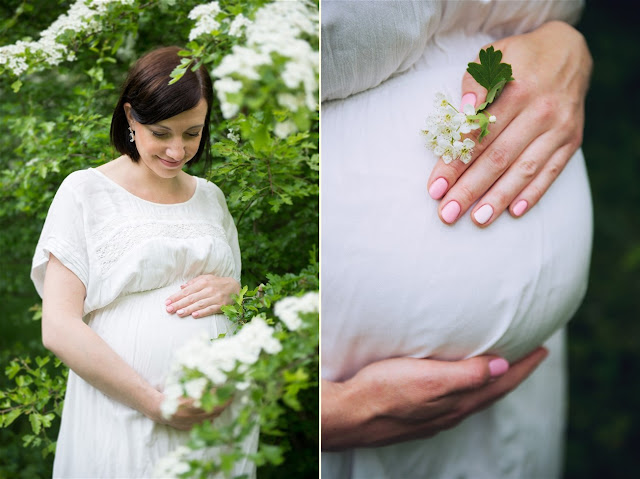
x: 210, y: 189
x: 78, y: 183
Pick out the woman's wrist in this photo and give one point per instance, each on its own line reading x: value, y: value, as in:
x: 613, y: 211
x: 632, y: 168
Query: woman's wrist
x: 344, y: 413
x: 151, y: 407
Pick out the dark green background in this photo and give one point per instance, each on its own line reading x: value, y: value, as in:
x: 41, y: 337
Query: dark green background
x: 604, y: 336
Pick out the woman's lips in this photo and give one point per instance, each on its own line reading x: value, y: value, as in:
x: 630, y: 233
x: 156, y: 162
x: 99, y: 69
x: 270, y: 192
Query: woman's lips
x: 170, y: 164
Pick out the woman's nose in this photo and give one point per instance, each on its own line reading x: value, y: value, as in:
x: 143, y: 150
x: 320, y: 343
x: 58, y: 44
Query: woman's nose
x: 177, y: 150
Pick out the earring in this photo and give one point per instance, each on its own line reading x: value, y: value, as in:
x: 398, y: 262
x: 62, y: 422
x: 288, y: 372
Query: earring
x: 131, y: 133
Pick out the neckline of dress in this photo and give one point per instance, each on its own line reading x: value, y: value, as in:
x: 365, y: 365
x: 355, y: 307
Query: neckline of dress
x: 122, y: 188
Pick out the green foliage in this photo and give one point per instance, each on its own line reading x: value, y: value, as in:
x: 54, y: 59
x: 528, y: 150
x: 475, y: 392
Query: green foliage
x: 493, y: 75
x: 490, y: 73
x: 38, y: 394
x: 282, y: 389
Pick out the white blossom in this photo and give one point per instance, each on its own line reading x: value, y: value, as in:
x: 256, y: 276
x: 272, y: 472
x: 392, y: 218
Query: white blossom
x: 276, y: 30
x: 83, y: 17
x: 205, y: 17
x: 445, y: 127
x: 289, y: 309
x: 233, y: 135
x: 243, y: 385
x: 283, y: 129
x: 238, y: 25
x: 242, y: 61
x: 224, y: 86
x: 214, y: 359
x: 195, y: 388
x: 289, y: 101
x: 466, y: 150
x: 173, y: 464
x: 170, y: 404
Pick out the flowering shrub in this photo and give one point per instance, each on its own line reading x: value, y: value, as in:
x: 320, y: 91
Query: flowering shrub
x: 83, y: 18
x: 58, y: 93
x: 265, y: 361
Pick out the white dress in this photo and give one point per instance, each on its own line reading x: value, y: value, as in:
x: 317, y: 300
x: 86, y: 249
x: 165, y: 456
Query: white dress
x: 398, y: 282
x: 131, y: 255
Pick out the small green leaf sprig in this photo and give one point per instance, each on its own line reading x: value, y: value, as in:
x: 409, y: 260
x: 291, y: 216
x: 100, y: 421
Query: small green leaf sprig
x: 444, y: 129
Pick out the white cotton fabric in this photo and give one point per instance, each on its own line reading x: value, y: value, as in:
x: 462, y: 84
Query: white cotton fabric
x: 131, y: 255
x: 396, y: 281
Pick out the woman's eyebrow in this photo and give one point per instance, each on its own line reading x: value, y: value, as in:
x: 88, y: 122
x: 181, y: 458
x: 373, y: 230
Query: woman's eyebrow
x: 167, y: 128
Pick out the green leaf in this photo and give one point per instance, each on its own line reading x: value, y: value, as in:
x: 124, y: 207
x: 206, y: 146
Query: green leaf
x: 16, y: 85
x: 47, y: 419
x: 11, y: 416
x: 42, y: 361
x: 272, y: 454
x: 27, y: 439
x: 490, y: 73
x: 36, y: 422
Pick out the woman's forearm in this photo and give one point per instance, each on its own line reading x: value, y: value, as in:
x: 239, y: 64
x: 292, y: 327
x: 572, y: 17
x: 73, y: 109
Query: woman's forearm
x: 87, y: 354
x: 340, y: 420
x: 84, y: 351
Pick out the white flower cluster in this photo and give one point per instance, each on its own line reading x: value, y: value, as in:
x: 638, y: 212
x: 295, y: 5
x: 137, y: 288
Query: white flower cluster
x: 83, y: 17
x: 288, y: 309
x: 233, y: 135
x: 215, y: 359
x: 276, y: 30
x: 445, y: 129
x: 174, y: 464
x: 205, y: 17
x: 238, y: 25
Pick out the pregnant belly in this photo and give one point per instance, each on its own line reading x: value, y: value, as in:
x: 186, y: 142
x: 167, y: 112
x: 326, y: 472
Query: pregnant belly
x: 396, y: 281
x: 139, y: 329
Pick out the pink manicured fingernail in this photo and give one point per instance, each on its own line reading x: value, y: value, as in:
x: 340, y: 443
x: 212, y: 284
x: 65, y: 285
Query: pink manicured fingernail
x: 498, y: 366
x: 180, y: 311
x: 451, y: 211
x: 468, y: 99
x: 195, y: 314
x: 438, y: 188
x: 170, y: 309
x: 167, y: 302
x: 520, y: 206
x: 483, y: 214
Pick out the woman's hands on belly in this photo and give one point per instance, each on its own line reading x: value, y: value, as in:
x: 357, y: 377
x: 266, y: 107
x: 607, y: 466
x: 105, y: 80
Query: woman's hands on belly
x: 540, y: 123
x: 202, y: 296
x: 400, y: 399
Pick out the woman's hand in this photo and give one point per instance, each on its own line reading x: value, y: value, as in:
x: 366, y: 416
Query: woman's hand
x: 540, y: 118
x: 187, y: 415
x: 399, y: 399
x: 202, y: 296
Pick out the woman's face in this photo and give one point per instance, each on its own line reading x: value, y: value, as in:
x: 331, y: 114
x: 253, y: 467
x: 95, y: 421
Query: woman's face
x: 166, y: 146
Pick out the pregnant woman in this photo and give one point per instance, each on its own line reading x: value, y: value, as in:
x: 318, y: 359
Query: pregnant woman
x: 135, y: 258
x: 404, y: 278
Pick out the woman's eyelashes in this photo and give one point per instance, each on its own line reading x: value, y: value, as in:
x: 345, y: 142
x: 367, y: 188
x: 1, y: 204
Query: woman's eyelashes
x: 158, y: 134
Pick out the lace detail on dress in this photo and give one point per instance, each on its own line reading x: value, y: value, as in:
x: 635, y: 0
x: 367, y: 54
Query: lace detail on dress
x: 113, y: 241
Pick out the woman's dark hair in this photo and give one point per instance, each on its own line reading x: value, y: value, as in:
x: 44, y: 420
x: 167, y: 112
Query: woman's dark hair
x: 152, y: 99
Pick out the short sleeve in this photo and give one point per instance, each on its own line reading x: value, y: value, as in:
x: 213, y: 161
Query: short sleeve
x: 230, y: 231
x: 63, y: 235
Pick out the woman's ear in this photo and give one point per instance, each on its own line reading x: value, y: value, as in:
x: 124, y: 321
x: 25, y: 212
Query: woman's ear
x: 127, y: 112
